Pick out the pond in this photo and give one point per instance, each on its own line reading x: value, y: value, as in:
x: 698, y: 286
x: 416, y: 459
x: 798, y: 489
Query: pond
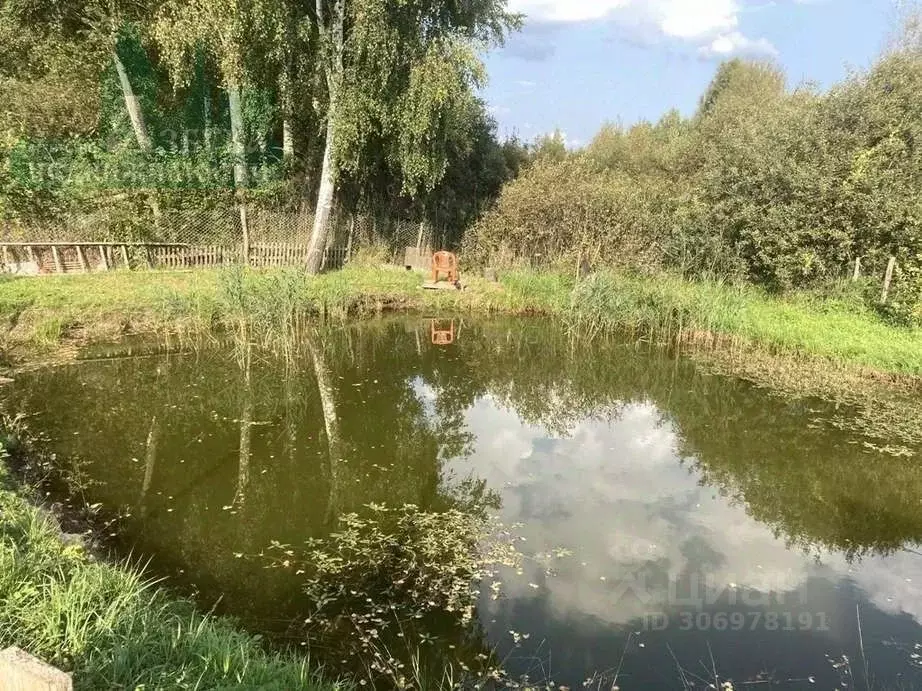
x: 677, y: 528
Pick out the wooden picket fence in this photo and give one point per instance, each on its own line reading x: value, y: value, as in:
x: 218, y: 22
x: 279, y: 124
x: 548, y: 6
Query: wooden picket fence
x: 36, y: 258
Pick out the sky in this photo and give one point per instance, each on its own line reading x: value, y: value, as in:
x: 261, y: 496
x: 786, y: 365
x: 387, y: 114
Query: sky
x: 577, y: 64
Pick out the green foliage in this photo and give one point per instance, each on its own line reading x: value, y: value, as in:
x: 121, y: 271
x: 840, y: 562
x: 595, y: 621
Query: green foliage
x: 560, y: 211
x: 389, y: 581
x: 784, y: 189
x: 413, y: 139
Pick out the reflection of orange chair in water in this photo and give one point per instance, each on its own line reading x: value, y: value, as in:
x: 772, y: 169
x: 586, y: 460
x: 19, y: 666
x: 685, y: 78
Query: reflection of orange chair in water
x: 445, y: 263
x: 440, y: 337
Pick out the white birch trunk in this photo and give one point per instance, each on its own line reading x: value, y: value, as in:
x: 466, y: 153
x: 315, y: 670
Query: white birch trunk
x: 288, y: 137
x: 324, y: 209
x: 288, y: 140
x: 132, y: 105
x: 238, y: 148
x: 238, y: 143
x: 334, y: 37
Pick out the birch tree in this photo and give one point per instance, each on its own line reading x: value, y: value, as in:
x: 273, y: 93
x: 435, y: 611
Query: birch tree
x: 104, y: 23
x: 235, y: 34
x: 132, y: 105
x: 394, y: 72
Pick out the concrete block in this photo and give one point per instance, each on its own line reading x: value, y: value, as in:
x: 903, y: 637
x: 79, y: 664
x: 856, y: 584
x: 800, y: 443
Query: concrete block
x: 20, y: 671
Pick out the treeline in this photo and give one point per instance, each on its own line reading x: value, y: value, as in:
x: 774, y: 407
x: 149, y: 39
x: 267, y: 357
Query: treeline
x: 783, y: 188
x: 131, y: 109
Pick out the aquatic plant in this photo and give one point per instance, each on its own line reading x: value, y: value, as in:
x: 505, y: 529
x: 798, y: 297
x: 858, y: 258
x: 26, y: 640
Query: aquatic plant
x: 391, y: 582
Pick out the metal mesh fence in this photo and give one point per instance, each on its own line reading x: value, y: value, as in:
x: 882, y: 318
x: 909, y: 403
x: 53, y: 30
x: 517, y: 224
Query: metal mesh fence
x: 156, y: 230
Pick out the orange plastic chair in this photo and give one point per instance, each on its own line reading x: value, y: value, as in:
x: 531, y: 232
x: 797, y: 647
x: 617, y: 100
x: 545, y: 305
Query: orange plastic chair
x: 440, y: 336
x: 445, y: 263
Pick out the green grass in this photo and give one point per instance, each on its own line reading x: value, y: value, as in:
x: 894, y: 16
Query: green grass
x: 666, y: 308
x: 113, y: 628
x: 660, y: 308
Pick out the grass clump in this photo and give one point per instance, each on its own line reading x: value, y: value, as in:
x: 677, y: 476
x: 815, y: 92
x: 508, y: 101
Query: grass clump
x: 664, y: 309
x: 113, y: 628
x: 670, y: 309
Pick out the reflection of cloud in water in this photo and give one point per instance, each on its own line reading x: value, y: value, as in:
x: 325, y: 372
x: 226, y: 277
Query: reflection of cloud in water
x: 617, y: 495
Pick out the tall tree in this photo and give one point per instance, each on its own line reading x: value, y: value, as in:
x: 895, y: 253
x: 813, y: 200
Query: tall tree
x: 132, y: 105
x: 394, y: 72
x: 236, y: 35
x: 104, y: 23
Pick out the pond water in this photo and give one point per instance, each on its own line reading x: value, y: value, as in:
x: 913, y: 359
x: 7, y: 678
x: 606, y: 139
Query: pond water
x: 680, y: 528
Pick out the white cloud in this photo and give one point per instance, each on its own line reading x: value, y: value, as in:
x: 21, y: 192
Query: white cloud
x: 735, y: 43
x: 616, y: 494
x: 712, y: 26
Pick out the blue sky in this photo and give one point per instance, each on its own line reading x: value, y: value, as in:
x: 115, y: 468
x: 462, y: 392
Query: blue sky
x: 580, y: 63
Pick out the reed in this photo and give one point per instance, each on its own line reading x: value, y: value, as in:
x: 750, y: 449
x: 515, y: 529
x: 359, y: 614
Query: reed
x: 40, y: 314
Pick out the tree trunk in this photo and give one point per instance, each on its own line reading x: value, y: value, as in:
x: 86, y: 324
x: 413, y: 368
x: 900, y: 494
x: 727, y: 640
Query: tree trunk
x: 238, y: 141
x: 206, y: 115
x: 288, y: 137
x: 288, y: 140
x: 241, y: 176
x: 324, y: 210
x: 334, y: 37
x: 132, y: 105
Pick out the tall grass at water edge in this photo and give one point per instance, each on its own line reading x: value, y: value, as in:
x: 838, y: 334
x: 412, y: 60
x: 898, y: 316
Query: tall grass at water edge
x: 669, y: 309
x: 111, y: 626
x: 664, y: 309
x: 660, y: 308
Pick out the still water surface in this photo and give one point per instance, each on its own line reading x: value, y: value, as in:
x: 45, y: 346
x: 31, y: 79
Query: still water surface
x: 681, y: 527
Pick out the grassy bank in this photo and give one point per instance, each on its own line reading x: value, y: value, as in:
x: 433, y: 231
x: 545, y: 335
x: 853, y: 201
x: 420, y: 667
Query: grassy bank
x: 44, y: 314
x: 110, y: 626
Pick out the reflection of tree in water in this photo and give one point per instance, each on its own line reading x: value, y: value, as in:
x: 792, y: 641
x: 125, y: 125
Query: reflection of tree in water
x: 817, y: 486
x: 214, y: 459
x: 349, y: 421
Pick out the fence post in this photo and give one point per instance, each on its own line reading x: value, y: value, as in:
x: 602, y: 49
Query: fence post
x: 82, y: 257
x: 857, y: 273
x: 58, y: 266
x: 349, y: 241
x: 888, y: 280
x: 244, y: 224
